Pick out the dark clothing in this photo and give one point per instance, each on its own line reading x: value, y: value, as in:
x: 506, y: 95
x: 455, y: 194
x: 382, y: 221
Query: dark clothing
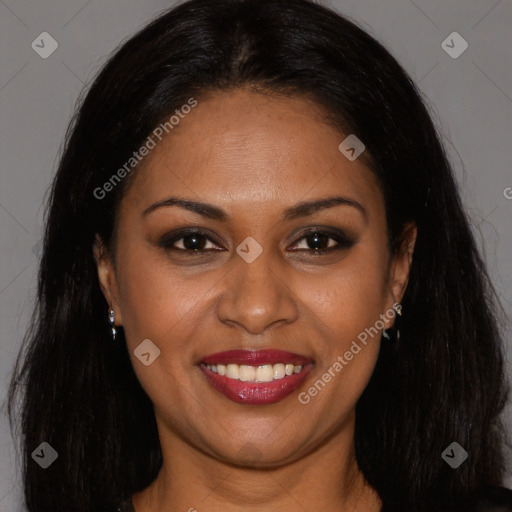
x: 493, y: 499
x: 126, y: 506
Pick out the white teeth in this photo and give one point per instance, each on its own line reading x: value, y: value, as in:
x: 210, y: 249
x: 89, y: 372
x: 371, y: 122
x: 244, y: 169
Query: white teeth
x: 278, y: 371
x: 246, y: 373
x: 263, y: 373
x: 232, y: 371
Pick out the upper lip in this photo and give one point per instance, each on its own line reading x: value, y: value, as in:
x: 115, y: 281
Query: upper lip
x: 256, y: 357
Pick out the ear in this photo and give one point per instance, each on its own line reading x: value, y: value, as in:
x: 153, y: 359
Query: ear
x: 107, y: 277
x: 401, y: 263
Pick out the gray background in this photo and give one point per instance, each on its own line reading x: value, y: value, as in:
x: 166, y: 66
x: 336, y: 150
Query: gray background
x: 470, y: 98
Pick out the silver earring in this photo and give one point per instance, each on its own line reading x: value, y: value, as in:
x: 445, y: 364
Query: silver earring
x: 111, y: 322
x: 397, y: 307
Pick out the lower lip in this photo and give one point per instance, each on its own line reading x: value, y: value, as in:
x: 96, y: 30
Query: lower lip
x: 256, y: 393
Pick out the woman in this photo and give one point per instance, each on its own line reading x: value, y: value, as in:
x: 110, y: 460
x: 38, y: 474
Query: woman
x: 259, y: 289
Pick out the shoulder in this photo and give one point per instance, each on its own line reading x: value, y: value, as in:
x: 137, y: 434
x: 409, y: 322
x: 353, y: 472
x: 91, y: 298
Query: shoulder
x: 494, y: 499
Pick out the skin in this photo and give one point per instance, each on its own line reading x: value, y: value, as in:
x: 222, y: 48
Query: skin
x: 253, y: 155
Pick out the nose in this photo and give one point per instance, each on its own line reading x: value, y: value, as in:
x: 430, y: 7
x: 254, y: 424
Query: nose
x: 257, y: 295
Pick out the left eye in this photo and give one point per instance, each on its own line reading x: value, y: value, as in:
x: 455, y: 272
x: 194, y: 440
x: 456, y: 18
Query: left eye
x: 318, y: 239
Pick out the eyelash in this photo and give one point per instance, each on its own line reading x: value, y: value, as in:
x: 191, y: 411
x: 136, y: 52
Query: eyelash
x: 343, y: 241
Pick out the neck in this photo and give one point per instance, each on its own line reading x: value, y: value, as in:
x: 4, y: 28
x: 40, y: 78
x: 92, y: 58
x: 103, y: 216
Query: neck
x: 326, y: 478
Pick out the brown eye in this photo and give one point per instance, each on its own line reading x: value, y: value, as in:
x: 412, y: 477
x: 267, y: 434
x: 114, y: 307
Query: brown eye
x: 190, y: 241
x: 322, y: 241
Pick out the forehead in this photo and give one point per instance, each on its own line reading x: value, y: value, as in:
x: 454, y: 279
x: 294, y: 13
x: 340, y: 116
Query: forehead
x: 246, y: 148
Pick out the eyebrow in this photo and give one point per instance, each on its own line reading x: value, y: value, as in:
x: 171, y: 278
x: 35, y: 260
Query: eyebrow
x: 302, y: 209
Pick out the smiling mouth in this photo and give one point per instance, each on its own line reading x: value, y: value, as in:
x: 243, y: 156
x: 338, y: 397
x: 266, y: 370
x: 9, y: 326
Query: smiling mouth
x: 255, y: 377
x: 261, y: 373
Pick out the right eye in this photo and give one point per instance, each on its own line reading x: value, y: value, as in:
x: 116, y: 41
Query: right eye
x: 192, y: 241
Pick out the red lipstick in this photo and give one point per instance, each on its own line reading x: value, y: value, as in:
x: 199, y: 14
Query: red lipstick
x: 251, y: 392
x: 256, y: 357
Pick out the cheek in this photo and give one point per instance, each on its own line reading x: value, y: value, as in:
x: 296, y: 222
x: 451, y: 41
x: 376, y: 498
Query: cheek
x: 159, y: 305
x: 353, y: 296
x: 348, y: 315
x: 348, y: 304
x: 156, y: 298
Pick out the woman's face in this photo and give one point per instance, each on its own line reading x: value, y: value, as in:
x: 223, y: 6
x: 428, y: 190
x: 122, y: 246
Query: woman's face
x: 254, y: 158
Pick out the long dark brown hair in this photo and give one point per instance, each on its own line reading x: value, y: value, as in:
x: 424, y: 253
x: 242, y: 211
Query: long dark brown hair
x: 443, y: 382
